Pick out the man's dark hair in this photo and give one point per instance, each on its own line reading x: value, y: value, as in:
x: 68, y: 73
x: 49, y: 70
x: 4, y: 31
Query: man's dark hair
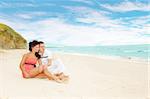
x: 41, y: 42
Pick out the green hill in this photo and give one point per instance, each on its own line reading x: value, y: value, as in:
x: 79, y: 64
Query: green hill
x: 10, y: 39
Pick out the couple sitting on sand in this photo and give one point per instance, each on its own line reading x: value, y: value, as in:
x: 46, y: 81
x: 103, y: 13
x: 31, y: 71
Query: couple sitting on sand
x: 39, y: 63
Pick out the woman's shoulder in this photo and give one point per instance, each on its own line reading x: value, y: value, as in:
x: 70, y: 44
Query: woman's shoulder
x: 26, y: 54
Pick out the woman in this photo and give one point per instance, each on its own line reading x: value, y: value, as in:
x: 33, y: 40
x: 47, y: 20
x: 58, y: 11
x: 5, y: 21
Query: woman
x: 29, y: 62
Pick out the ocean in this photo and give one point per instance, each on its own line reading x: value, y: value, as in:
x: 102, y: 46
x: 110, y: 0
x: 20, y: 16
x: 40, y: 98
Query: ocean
x: 125, y: 51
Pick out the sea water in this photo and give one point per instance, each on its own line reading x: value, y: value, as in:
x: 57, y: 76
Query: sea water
x: 140, y: 51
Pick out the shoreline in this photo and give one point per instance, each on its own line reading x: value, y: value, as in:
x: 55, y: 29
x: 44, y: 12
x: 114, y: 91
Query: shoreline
x: 125, y: 59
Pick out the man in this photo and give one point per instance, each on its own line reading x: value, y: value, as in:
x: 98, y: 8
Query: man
x: 55, y: 66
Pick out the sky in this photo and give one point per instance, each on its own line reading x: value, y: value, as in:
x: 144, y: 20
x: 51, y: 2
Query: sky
x: 79, y: 22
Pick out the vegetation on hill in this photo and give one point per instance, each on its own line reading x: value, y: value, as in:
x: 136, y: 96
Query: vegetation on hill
x: 10, y: 39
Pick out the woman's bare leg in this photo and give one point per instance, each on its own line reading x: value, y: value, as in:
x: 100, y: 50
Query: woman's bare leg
x: 51, y: 76
x: 41, y: 76
x: 34, y: 72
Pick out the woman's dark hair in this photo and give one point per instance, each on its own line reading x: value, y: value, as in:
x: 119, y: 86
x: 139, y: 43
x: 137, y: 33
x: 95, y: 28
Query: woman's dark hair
x: 31, y: 45
x: 37, y: 55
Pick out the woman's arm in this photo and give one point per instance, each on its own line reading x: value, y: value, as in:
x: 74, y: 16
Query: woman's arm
x: 49, y: 62
x: 22, y: 64
x: 39, y: 62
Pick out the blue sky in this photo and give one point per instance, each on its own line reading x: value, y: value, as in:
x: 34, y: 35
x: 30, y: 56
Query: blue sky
x: 79, y: 22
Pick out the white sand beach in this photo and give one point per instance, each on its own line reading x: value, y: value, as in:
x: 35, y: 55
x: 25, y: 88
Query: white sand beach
x: 90, y: 78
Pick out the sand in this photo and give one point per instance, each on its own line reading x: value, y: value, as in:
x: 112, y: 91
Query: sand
x: 90, y: 78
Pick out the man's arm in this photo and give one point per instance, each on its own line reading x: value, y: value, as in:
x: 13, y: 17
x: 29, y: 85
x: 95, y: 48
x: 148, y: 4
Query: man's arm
x: 50, y: 57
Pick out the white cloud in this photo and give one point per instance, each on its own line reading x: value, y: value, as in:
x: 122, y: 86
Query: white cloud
x: 105, y: 31
x: 29, y: 15
x: 127, y: 6
x: 98, y: 18
x: 139, y: 24
x: 83, y: 11
x: 57, y: 32
x: 144, y: 20
x: 84, y: 1
x: 24, y: 16
x: 16, y: 4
